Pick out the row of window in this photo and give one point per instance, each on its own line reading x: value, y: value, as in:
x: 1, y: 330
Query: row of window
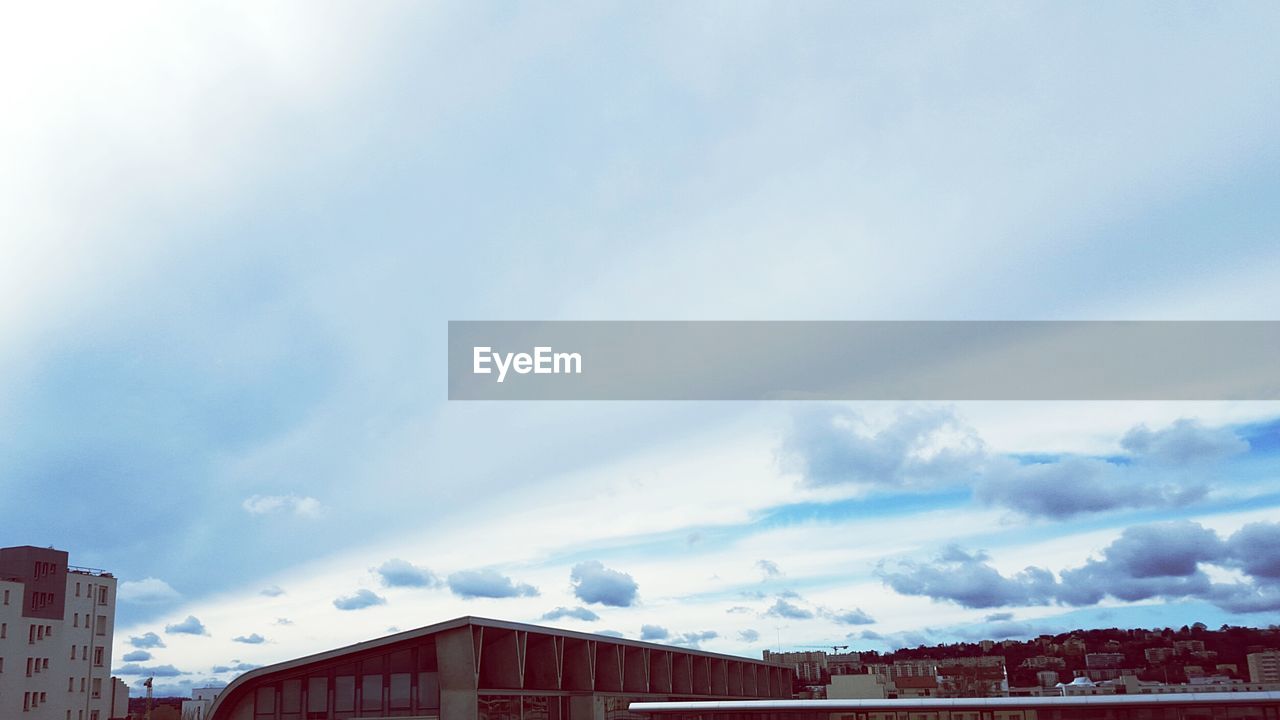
x: 37, y: 633
x: 36, y: 665
x: 84, y: 654
x: 99, y: 590
x: 32, y: 700
x: 41, y: 600
x: 96, y: 689
x: 102, y: 622
x: 44, y: 569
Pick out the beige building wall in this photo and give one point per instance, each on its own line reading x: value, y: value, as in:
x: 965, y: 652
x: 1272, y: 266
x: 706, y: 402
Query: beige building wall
x: 1264, y: 667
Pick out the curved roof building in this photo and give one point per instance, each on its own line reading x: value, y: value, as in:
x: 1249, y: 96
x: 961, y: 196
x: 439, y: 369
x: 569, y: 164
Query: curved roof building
x: 479, y: 669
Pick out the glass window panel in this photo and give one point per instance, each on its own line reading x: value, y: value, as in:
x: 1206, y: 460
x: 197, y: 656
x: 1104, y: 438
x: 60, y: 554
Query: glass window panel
x: 428, y: 690
x: 317, y: 694
x: 265, y: 703
x: 536, y: 708
x: 371, y: 692
x: 499, y: 707
x: 344, y: 693
x: 291, y: 696
x: 399, y: 690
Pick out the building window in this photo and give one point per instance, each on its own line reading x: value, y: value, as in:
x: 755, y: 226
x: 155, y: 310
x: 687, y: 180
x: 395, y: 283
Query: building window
x: 97, y: 688
x: 4, y: 630
x: 102, y: 625
x: 102, y: 595
x: 97, y: 656
x: 77, y: 589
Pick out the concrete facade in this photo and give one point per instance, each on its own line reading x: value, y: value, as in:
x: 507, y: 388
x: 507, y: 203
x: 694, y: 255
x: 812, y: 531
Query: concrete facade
x: 479, y: 669
x: 1264, y: 667
x: 56, y: 628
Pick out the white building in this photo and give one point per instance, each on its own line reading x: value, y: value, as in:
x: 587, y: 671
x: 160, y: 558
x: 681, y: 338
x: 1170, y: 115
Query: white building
x: 56, y: 625
x: 197, y: 708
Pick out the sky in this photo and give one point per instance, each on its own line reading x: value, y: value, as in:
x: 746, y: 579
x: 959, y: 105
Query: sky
x: 232, y: 236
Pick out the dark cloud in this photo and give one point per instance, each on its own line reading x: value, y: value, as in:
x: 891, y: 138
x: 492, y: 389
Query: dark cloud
x: 968, y: 580
x: 487, y: 584
x: 148, y: 640
x: 579, y: 613
x: 150, y: 670
x: 254, y: 639
x: 1246, y: 597
x: 190, y: 626
x: 594, y: 583
x: 1071, y: 486
x: 1147, y: 561
x: 359, y: 600
x: 748, y: 635
x: 769, y: 568
x: 1156, y: 560
x: 401, y: 573
x: 999, y: 617
x: 849, y: 617
x: 1001, y: 630
x: 1255, y: 549
x: 1185, y: 442
x: 653, y: 632
x: 273, y: 591
x: 136, y: 656
x: 922, y: 448
x: 925, y: 449
x: 784, y: 609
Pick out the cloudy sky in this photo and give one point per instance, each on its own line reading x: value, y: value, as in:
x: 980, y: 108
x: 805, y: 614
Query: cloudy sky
x: 231, y: 239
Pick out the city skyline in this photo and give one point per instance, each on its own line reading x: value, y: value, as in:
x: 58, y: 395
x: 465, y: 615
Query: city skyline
x: 234, y: 237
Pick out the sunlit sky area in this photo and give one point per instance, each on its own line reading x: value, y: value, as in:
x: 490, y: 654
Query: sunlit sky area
x: 232, y: 236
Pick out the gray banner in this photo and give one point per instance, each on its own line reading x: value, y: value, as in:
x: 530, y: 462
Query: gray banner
x: 942, y: 360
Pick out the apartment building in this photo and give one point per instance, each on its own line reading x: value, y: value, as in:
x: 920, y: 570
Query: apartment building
x: 1264, y: 667
x: 56, y: 626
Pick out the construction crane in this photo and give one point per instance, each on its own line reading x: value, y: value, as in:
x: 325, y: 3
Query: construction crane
x: 834, y: 648
x: 147, y: 685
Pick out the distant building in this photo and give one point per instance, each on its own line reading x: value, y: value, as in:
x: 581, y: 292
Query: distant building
x: 1047, y: 678
x: 1264, y: 667
x: 1185, y: 647
x: 809, y: 666
x: 851, y: 687
x: 972, y: 677
x: 197, y: 708
x: 1158, y: 655
x: 1216, y: 683
x: 1101, y: 660
x: 1043, y: 662
x: 844, y: 664
x: 56, y: 627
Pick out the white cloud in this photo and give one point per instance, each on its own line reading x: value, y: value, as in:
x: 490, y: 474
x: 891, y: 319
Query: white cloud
x: 304, y: 507
x: 147, y: 590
